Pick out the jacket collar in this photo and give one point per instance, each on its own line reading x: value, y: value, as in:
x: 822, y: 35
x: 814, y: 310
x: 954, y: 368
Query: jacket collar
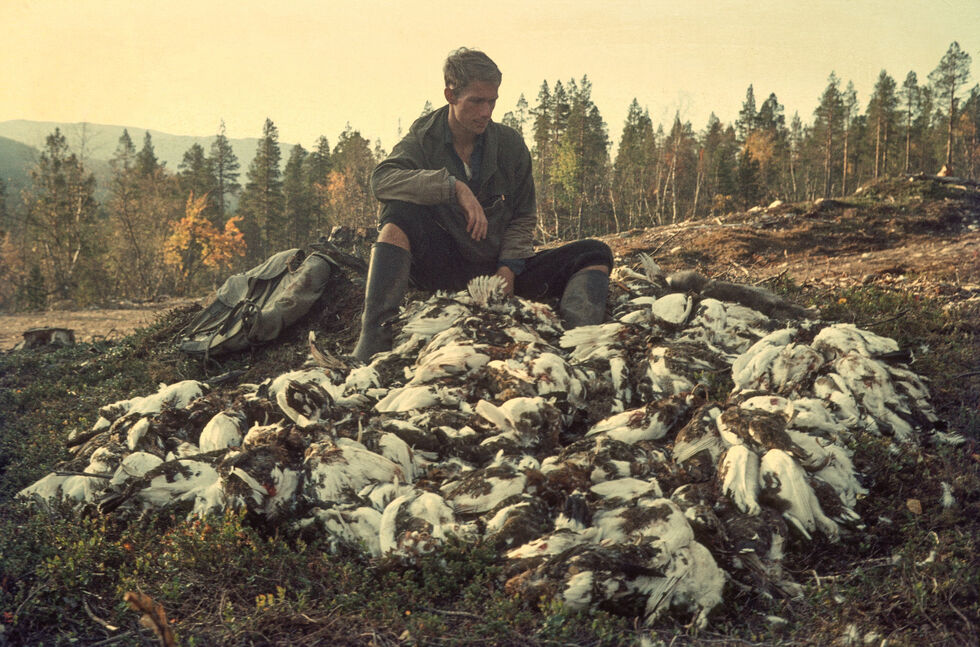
x: 436, y: 125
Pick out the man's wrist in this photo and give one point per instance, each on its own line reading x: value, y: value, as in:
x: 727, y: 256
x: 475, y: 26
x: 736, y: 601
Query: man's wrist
x: 515, y: 265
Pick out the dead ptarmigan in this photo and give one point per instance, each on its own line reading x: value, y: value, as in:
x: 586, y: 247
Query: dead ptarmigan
x: 589, y: 457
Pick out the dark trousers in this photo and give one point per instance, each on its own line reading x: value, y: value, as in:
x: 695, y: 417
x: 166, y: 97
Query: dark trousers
x: 438, y: 265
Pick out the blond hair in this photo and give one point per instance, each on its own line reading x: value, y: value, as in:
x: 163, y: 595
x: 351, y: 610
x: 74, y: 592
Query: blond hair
x: 464, y: 65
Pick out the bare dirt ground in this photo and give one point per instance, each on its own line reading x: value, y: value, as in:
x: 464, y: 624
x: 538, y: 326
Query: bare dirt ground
x: 921, y: 237
x: 928, y: 247
x: 89, y: 325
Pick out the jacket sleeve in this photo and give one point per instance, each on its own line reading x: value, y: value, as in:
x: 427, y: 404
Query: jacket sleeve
x: 403, y: 176
x: 519, y: 235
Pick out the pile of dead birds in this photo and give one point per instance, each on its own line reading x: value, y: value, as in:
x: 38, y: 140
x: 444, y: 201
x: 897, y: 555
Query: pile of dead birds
x: 593, y: 458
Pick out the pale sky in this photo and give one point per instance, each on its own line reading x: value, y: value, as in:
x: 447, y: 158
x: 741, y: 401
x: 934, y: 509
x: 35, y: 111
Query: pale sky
x: 181, y: 66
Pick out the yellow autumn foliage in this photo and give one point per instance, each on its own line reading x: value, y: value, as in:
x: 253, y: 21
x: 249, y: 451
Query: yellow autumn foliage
x: 195, y: 242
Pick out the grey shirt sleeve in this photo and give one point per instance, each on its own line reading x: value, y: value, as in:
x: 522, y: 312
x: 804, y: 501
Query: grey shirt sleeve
x: 402, y: 177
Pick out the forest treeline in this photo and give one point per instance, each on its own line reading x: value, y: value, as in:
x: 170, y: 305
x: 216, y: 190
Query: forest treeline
x: 161, y: 232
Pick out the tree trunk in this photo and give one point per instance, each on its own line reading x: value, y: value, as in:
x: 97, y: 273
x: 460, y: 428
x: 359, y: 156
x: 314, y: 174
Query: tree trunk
x: 661, y: 187
x: 877, y: 144
x: 697, y: 186
x: 949, y: 132
x: 612, y: 202
x: 826, y: 163
x: 792, y: 174
x: 884, y: 152
x: 908, y: 138
x: 673, y: 187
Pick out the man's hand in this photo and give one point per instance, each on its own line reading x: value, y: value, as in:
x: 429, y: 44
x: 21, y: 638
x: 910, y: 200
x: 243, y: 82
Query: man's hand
x: 508, y: 275
x: 476, y: 220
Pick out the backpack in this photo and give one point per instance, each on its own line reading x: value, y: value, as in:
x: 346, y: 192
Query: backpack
x: 254, y: 307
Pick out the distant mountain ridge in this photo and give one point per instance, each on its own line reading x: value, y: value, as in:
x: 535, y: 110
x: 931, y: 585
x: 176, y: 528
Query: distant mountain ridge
x: 16, y: 160
x: 99, y: 141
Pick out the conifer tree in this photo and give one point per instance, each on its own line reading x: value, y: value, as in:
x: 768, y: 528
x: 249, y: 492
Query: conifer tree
x: 346, y: 196
x: 224, y: 166
x: 298, y: 200
x: 910, y: 97
x: 680, y: 171
x: 632, y: 185
x: 123, y: 211
x: 749, y: 189
x: 317, y: 172
x: 543, y: 155
x: 848, y: 110
x: 146, y: 159
x: 721, y: 153
x: 881, y: 120
x: 969, y: 129
x: 517, y: 119
x: 195, y: 174
x: 61, y: 214
x: 261, y: 206
x: 769, y: 147
x: 924, y: 128
x: 139, y: 212
x: 746, y: 116
x: 826, y: 127
x: 952, y: 72
x: 581, y: 162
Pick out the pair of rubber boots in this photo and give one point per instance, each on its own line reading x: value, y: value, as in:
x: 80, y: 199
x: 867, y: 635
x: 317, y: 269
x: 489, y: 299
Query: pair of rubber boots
x: 582, y: 303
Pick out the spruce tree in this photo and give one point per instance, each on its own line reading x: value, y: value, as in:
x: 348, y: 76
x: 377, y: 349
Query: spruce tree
x: 747, y: 116
x: 317, y: 172
x: 347, y: 194
x: 543, y: 153
x: 298, y: 201
x: 771, y: 147
x: 970, y: 131
x: 930, y: 153
x: 61, y: 214
x: 581, y: 163
x: 725, y: 163
x: 910, y: 97
x: 632, y: 185
x: 517, y: 119
x: 123, y: 211
x: 224, y: 166
x: 139, y: 210
x: 146, y: 159
x: 261, y: 206
x: 881, y: 120
x: 196, y: 176
x: 749, y: 189
x: 827, y: 126
x: 710, y: 141
x: 952, y: 72
x: 848, y: 110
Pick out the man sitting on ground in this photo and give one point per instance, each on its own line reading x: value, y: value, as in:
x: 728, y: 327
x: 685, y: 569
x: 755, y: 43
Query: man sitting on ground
x: 458, y: 202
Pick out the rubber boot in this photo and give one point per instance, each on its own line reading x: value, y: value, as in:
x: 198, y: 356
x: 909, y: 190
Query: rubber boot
x: 386, y: 283
x: 584, y: 301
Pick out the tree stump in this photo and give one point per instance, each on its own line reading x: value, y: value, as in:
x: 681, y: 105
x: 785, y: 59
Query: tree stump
x: 48, y: 336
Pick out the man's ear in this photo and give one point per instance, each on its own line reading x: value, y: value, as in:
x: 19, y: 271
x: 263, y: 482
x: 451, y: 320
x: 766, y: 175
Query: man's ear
x: 450, y: 95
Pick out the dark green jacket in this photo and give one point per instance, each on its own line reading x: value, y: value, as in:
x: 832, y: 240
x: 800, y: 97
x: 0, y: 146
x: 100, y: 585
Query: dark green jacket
x: 418, y: 171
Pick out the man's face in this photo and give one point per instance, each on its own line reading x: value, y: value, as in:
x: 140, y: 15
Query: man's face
x: 473, y: 105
